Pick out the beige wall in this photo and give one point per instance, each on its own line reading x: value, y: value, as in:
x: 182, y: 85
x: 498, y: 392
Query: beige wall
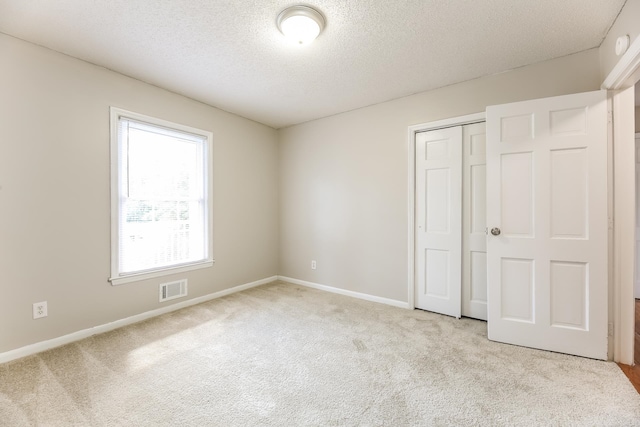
x: 637, y: 118
x: 343, y: 179
x: 54, y: 194
x: 627, y: 23
x: 341, y: 183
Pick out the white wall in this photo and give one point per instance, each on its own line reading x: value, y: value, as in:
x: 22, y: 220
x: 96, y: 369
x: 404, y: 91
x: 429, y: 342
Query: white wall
x: 54, y: 194
x: 343, y: 179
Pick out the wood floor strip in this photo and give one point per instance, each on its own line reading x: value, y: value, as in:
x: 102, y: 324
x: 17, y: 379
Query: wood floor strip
x: 633, y: 373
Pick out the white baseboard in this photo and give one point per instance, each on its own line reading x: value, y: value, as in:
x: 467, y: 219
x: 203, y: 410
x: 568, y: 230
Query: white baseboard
x: 353, y: 294
x: 85, y: 333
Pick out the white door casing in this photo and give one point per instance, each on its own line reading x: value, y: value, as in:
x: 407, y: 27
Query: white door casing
x: 547, y: 193
x: 438, y: 220
x: 636, y: 289
x: 474, y: 238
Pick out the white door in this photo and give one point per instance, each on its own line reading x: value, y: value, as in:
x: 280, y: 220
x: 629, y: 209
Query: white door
x: 636, y: 290
x: 547, y: 216
x: 474, y: 238
x: 438, y: 219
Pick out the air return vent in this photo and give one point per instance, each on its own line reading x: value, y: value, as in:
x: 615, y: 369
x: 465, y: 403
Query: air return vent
x: 173, y: 290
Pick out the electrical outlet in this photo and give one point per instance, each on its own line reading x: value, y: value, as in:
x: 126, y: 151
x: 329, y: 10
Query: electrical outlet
x: 40, y: 310
x: 313, y: 264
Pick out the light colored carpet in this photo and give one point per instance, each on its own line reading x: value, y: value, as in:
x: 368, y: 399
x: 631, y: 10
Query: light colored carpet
x: 283, y: 355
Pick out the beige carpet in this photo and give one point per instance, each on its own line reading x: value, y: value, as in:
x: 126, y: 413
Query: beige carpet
x: 282, y: 355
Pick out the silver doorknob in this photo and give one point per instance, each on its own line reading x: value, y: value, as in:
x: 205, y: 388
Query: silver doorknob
x: 495, y: 231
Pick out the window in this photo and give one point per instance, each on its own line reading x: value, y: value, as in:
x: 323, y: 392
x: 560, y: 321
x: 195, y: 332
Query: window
x: 160, y: 197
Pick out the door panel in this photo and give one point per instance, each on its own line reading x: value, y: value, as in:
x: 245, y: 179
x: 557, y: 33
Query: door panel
x: 474, y: 244
x: 517, y: 289
x: 516, y: 209
x: 438, y: 218
x: 547, y: 193
x: 569, y: 193
x: 569, y: 294
x: 438, y: 204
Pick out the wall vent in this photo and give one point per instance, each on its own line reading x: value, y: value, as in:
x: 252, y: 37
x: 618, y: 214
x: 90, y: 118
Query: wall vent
x: 173, y: 290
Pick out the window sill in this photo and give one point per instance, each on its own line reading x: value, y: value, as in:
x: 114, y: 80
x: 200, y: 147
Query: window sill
x: 121, y: 280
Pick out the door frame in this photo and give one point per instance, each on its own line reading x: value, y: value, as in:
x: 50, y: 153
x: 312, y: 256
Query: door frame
x: 411, y: 193
x: 636, y: 288
x: 620, y: 82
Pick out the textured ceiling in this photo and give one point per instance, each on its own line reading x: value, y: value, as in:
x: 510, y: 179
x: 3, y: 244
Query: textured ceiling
x: 229, y: 54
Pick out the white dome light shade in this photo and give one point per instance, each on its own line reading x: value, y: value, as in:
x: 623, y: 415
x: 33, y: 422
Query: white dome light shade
x: 300, y: 29
x: 300, y: 24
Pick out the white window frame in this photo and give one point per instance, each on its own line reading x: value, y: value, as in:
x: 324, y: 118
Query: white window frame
x: 117, y: 277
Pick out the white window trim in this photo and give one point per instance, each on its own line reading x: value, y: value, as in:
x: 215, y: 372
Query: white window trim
x: 117, y: 278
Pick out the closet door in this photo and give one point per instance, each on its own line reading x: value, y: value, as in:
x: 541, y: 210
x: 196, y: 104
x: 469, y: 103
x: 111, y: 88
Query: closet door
x: 474, y: 237
x: 438, y: 221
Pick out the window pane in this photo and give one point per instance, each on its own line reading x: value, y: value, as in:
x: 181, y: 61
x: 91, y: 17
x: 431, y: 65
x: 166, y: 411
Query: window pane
x: 152, y: 244
x: 162, y: 210
x: 160, y: 166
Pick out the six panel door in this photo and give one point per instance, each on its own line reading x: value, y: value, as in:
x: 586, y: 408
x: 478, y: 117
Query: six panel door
x: 438, y: 221
x: 547, y: 212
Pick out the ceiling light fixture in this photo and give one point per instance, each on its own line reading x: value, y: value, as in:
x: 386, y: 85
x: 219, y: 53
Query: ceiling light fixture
x: 300, y: 24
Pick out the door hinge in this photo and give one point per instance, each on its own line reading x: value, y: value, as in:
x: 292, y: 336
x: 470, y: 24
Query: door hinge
x: 610, y: 223
x: 609, y: 116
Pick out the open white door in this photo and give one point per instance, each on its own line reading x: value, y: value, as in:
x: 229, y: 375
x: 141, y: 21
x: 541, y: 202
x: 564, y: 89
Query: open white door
x: 438, y: 219
x: 547, y: 216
